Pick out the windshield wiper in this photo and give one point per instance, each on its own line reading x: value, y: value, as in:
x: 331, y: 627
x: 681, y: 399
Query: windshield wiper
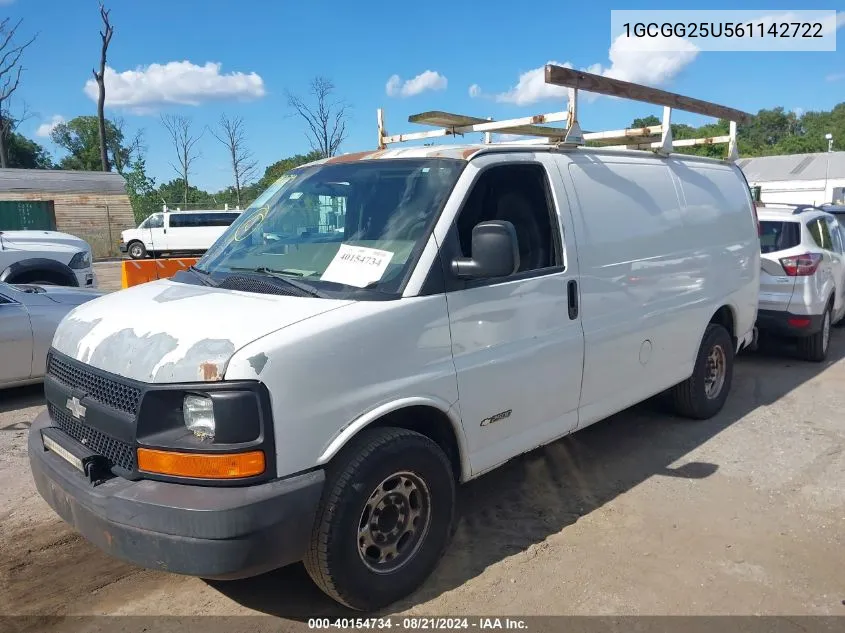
x: 284, y: 276
x: 203, y: 276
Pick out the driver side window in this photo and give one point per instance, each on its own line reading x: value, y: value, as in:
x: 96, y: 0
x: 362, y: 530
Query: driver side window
x: 519, y: 194
x: 155, y: 222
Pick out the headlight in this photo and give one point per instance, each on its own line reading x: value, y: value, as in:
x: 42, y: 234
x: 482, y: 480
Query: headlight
x: 199, y: 415
x: 80, y: 260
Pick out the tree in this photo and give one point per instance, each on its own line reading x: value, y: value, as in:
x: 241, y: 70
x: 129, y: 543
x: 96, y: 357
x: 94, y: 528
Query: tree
x: 80, y: 138
x: 232, y: 136
x: 10, y: 78
x: 184, y: 141
x: 24, y: 153
x: 326, y: 118
x: 141, y: 190
x: 105, y: 35
x: 124, y: 155
x: 279, y: 168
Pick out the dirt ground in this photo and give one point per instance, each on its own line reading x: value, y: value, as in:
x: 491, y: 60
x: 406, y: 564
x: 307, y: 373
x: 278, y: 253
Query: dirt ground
x: 640, y: 514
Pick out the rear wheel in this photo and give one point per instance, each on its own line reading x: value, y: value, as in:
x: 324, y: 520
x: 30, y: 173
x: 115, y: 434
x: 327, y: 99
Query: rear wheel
x: 704, y: 393
x: 814, y: 348
x: 384, y: 520
x: 137, y: 250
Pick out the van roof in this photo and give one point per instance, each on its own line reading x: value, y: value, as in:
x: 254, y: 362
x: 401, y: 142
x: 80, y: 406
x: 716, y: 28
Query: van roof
x: 469, y: 151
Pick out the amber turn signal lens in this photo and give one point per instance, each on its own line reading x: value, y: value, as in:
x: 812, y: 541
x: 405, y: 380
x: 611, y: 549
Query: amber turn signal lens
x: 201, y: 465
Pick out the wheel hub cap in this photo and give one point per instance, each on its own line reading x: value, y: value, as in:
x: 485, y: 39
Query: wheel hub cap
x: 715, y: 372
x: 394, y: 522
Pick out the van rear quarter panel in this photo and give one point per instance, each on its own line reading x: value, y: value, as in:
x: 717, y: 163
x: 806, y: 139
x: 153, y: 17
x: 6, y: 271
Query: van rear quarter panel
x: 662, y: 244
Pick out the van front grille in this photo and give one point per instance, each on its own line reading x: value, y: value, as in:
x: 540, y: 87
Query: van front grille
x: 104, y: 390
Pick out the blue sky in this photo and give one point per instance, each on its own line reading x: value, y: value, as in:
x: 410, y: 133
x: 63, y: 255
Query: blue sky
x: 279, y: 45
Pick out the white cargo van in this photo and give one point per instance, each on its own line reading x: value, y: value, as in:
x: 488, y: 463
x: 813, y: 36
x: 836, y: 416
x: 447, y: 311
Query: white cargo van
x: 319, y: 395
x: 171, y: 232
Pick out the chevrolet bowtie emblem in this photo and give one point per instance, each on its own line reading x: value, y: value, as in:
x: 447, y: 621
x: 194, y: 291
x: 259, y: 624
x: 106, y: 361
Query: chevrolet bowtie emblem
x: 76, y: 409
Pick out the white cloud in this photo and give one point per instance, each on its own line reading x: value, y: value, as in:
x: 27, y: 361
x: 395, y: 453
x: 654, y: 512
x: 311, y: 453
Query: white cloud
x: 45, y: 129
x: 428, y: 80
x: 181, y: 83
x: 639, y: 61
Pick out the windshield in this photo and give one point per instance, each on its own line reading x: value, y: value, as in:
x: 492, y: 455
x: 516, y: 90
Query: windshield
x: 340, y: 226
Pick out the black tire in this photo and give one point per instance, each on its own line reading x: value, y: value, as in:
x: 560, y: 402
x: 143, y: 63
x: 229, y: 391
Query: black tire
x: 691, y: 398
x: 136, y: 250
x: 354, y: 478
x: 814, y: 348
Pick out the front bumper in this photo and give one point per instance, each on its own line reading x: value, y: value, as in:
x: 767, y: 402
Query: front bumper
x: 210, y: 532
x: 788, y: 324
x: 86, y: 278
x: 123, y: 247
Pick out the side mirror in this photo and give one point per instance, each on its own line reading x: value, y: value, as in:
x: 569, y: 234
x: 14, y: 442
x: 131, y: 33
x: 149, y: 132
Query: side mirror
x: 495, y: 252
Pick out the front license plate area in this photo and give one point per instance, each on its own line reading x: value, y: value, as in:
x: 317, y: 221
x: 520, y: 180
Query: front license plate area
x: 93, y: 466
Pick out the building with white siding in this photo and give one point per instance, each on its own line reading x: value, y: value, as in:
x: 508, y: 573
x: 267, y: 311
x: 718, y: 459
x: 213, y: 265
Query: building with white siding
x: 798, y: 178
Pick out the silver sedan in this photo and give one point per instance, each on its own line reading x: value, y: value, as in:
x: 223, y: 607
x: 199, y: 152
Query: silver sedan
x: 29, y: 315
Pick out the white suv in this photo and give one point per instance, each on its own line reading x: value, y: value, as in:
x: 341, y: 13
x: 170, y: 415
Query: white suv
x: 802, y: 281
x: 45, y: 257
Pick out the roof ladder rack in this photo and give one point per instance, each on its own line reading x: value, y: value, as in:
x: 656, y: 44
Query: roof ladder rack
x: 645, y: 138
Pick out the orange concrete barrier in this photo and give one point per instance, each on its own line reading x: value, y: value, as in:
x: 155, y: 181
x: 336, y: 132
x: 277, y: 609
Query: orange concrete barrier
x: 139, y: 271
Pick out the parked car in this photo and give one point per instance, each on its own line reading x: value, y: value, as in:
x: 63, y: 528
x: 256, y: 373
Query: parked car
x: 320, y: 400
x: 45, y: 257
x: 802, y: 282
x: 29, y: 314
x: 176, y: 232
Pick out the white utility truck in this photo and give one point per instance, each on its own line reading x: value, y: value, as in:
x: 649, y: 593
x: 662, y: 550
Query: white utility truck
x: 420, y: 316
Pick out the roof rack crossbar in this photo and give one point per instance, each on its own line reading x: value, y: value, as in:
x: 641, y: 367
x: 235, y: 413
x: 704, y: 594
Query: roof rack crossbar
x: 449, y: 124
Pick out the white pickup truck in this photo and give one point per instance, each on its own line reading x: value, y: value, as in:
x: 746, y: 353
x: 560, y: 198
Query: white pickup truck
x: 45, y: 257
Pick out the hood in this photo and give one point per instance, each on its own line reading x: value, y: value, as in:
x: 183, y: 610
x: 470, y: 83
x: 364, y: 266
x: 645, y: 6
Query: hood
x: 166, y: 331
x: 35, y: 240
x: 65, y: 295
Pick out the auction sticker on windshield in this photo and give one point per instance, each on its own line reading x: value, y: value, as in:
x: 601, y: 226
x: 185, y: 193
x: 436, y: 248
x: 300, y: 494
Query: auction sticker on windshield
x: 357, y: 266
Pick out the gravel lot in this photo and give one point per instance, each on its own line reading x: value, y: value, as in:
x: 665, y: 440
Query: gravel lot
x: 640, y: 514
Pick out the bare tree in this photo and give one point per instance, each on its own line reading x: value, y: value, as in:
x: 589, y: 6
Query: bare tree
x: 101, y: 83
x: 124, y: 151
x: 232, y: 135
x: 326, y: 117
x: 184, y: 140
x: 10, y: 78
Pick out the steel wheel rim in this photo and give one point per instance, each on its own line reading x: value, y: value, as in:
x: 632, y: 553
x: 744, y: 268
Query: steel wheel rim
x: 826, y: 331
x: 394, y: 522
x: 135, y: 251
x: 716, y: 370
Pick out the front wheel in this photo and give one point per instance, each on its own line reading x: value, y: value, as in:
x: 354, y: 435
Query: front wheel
x: 814, y: 348
x: 137, y: 250
x: 384, y: 520
x: 704, y: 393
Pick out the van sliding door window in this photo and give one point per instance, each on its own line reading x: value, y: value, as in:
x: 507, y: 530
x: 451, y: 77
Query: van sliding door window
x: 519, y: 194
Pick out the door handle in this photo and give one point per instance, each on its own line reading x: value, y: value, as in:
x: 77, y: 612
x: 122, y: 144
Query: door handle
x: 572, y: 295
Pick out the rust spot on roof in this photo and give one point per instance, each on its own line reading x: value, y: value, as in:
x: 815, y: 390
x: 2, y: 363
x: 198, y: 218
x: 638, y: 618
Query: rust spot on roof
x: 350, y: 158
x: 467, y: 153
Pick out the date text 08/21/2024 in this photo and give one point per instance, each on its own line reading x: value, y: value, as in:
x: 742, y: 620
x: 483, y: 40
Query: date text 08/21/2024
x: 417, y: 623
